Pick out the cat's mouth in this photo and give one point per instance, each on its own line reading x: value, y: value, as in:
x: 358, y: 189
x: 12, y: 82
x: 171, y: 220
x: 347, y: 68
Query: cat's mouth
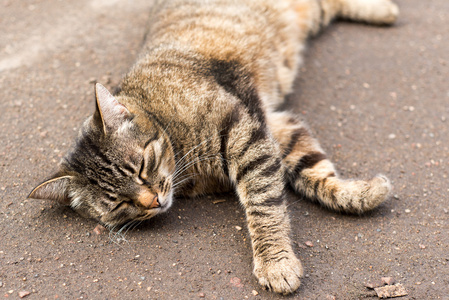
x: 163, y: 203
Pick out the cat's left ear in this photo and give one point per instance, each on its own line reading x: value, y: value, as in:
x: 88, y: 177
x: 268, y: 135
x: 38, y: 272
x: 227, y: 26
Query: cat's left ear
x: 109, y: 113
x: 55, y: 189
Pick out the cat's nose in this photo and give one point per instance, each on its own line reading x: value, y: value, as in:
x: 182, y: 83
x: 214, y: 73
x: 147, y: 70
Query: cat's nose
x: 155, y: 203
x: 148, y: 199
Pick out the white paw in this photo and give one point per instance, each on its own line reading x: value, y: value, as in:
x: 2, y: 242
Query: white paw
x: 381, y: 12
x: 387, y: 12
x: 282, y: 276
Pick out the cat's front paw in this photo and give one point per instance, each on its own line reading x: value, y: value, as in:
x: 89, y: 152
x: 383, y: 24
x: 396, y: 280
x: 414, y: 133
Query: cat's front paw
x: 279, y: 275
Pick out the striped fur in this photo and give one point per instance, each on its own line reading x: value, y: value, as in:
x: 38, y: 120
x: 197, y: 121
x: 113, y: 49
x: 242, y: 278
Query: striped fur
x: 196, y: 114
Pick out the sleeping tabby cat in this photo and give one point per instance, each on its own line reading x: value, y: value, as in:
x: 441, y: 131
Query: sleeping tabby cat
x: 197, y: 114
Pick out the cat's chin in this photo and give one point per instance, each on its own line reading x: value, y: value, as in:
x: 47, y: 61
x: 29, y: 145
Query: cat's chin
x: 166, y: 203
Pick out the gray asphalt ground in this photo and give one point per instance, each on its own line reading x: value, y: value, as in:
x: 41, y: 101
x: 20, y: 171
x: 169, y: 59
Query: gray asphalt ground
x: 377, y: 98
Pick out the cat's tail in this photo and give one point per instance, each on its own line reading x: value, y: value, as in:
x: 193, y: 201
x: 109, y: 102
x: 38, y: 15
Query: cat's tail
x: 351, y: 196
x: 317, y: 14
x: 312, y: 175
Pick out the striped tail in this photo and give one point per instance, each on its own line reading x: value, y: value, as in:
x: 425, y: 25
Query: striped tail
x: 312, y: 175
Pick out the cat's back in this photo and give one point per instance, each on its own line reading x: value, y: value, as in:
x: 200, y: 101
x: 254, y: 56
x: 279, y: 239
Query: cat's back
x: 260, y: 36
x: 222, y: 28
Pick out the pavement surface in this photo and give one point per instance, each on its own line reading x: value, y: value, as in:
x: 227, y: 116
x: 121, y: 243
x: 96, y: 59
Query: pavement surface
x: 377, y: 98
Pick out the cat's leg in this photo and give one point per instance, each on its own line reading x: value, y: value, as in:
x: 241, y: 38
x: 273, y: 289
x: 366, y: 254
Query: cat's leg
x: 370, y: 11
x: 313, y: 175
x: 313, y: 15
x: 254, y: 166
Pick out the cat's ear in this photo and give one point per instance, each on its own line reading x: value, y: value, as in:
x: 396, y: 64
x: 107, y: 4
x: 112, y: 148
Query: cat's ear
x: 109, y: 113
x: 55, y: 189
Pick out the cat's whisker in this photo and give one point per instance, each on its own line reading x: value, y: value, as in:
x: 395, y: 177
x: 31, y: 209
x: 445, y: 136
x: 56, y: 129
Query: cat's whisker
x: 118, y: 236
x: 113, y: 235
x: 166, y: 127
x: 133, y: 225
x: 181, y: 177
x: 193, y: 162
x: 180, y: 161
x: 292, y: 202
x: 191, y: 150
x: 180, y: 182
x: 187, y: 177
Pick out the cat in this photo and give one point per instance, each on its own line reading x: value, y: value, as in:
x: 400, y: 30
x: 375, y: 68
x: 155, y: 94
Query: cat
x: 198, y: 114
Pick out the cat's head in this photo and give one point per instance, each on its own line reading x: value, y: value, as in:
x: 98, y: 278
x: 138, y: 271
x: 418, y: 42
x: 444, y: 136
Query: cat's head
x: 120, y: 169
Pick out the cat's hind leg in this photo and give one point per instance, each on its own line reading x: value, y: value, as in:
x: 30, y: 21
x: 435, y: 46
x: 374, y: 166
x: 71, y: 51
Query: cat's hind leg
x: 382, y: 12
x: 314, y: 15
x: 314, y: 176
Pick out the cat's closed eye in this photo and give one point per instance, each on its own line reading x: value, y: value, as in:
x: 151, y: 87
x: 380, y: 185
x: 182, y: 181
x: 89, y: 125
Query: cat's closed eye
x: 111, y: 197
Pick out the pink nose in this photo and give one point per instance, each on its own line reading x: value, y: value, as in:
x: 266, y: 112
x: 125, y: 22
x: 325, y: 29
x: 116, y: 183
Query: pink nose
x: 155, y: 202
x: 148, y: 199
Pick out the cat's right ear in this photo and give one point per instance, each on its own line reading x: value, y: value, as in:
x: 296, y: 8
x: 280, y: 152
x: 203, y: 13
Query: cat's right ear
x: 55, y: 189
x: 109, y: 113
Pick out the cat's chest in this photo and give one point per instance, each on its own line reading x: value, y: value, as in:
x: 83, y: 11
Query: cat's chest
x: 207, y: 176
x: 205, y: 185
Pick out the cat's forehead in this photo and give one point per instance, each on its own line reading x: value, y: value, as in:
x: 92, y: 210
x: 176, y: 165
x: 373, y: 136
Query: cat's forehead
x: 92, y: 152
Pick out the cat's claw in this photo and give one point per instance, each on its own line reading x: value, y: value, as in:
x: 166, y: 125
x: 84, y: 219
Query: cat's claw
x: 282, y: 276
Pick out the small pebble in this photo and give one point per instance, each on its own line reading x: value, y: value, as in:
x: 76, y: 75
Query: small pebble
x: 407, y: 211
x: 235, y: 281
x: 373, y: 284
x: 309, y: 244
x: 392, y: 136
x: 421, y: 246
x: 218, y: 201
x: 23, y: 294
x: 238, y: 228
x: 99, y: 229
x: 387, y: 280
x: 201, y: 295
x: 255, y: 293
x: 391, y: 291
